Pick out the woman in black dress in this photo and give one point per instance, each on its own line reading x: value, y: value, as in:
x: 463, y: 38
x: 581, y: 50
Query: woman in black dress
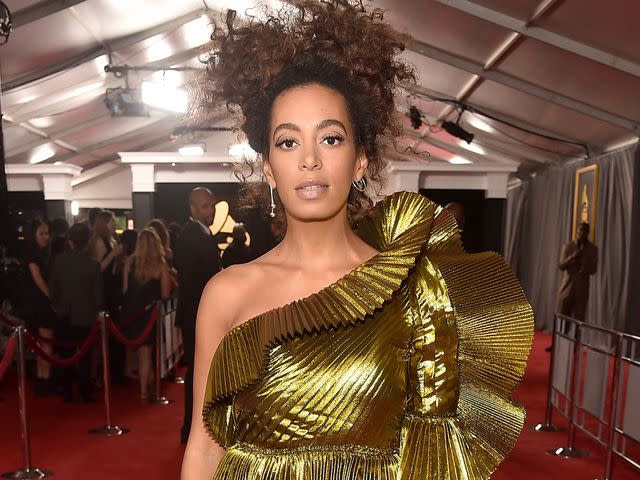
x: 145, y: 280
x: 37, y: 310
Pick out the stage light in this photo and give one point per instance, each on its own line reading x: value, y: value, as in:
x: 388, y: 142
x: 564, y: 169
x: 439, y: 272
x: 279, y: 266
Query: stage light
x: 192, y: 149
x: 457, y: 131
x: 165, y: 97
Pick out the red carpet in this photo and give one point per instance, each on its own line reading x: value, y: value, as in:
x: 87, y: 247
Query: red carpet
x: 60, y: 442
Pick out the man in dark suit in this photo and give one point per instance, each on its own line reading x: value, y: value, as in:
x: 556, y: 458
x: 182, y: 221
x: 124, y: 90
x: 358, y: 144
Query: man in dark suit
x: 75, y: 288
x: 578, y: 261
x: 197, y: 259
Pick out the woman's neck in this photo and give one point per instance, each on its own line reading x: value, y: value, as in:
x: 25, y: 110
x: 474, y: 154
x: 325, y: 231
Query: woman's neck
x: 327, y: 244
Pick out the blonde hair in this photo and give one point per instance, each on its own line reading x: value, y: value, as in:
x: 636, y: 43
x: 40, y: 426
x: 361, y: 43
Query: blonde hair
x: 148, y: 256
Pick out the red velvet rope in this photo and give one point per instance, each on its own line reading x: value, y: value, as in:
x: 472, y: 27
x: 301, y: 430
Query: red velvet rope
x: 64, y: 362
x: 113, y: 329
x: 8, y: 355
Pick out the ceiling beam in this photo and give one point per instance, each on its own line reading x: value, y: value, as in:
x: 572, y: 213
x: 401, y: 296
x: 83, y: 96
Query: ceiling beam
x: 167, y: 122
x: 433, y: 94
x: 546, y: 36
x: 477, y: 158
x: 58, y: 135
x: 91, y: 173
x: 40, y: 10
x: 523, y: 86
x: 94, y: 53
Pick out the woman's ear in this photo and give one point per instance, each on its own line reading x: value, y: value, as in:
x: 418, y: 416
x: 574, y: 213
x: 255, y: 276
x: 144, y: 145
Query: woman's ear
x: 362, y: 162
x: 268, y: 172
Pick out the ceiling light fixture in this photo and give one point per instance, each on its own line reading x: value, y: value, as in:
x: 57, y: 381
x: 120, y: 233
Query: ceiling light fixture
x: 459, y: 161
x: 242, y: 150
x: 195, y: 149
x: 165, y: 97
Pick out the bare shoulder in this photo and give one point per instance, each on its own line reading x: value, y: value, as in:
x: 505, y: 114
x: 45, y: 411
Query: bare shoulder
x: 228, y: 292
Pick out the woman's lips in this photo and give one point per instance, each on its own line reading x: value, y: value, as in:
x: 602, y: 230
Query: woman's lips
x: 312, y: 190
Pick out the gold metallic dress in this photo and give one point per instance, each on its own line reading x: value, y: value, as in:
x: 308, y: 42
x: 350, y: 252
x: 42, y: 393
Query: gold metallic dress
x: 401, y: 369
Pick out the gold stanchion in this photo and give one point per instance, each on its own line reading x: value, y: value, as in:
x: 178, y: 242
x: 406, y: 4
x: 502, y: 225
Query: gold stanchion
x: 108, y: 429
x: 28, y: 472
x: 157, y: 398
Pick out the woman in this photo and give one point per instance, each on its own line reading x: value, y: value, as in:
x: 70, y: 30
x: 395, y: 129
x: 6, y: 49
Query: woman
x: 384, y: 352
x: 160, y: 228
x: 37, y: 307
x: 104, y: 247
x: 145, y: 281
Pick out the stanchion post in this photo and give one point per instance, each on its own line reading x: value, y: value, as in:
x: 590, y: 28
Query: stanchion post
x: 28, y: 471
x: 108, y: 429
x: 615, y: 392
x: 547, y: 426
x: 158, y: 399
x: 570, y: 451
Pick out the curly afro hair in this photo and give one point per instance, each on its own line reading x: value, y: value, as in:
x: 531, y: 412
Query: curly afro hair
x: 335, y: 43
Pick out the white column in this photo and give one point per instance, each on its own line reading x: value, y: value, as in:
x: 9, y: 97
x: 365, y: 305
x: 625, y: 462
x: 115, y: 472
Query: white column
x: 496, y: 185
x: 143, y: 177
x: 57, y: 186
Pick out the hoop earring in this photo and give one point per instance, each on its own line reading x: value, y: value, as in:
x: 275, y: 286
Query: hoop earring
x: 359, y: 184
x: 272, y: 214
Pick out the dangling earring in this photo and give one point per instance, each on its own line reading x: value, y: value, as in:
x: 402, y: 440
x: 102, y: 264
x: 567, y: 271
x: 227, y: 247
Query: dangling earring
x: 359, y: 184
x: 273, y: 203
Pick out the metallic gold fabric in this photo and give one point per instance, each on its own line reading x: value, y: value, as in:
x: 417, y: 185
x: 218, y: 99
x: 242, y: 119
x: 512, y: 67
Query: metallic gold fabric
x: 402, y: 369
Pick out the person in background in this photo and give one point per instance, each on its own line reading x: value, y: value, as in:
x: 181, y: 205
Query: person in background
x: 160, y: 228
x: 104, y: 247
x: 59, y: 228
x: 237, y: 251
x: 36, y: 306
x: 76, y: 295
x: 128, y: 240
x: 578, y: 261
x: 93, y: 214
x: 146, y: 280
x: 197, y: 259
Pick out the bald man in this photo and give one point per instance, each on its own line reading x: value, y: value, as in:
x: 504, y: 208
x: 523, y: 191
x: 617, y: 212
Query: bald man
x: 197, y: 259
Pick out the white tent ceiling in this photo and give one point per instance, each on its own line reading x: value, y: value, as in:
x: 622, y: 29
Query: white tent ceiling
x: 530, y: 72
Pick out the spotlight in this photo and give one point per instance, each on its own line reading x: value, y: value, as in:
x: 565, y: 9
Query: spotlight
x: 416, y: 117
x: 125, y: 102
x: 457, y: 131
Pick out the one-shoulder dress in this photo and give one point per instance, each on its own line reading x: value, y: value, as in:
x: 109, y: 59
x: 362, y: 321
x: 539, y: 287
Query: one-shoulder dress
x: 401, y: 369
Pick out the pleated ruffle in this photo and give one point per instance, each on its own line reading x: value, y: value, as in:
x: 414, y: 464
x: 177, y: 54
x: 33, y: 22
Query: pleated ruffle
x: 398, y: 228
x: 494, y: 324
x: 354, y: 463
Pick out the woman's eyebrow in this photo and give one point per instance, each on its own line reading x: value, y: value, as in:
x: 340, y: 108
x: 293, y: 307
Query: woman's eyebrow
x: 283, y: 126
x: 330, y: 122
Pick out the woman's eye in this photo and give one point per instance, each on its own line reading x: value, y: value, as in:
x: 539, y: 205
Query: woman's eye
x: 287, y: 143
x: 332, y: 139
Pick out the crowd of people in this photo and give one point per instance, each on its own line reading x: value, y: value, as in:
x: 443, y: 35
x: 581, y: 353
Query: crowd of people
x: 73, y: 273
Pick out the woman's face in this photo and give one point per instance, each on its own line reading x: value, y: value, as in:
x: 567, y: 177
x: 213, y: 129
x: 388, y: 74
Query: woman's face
x: 42, y: 236
x: 312, y: 152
